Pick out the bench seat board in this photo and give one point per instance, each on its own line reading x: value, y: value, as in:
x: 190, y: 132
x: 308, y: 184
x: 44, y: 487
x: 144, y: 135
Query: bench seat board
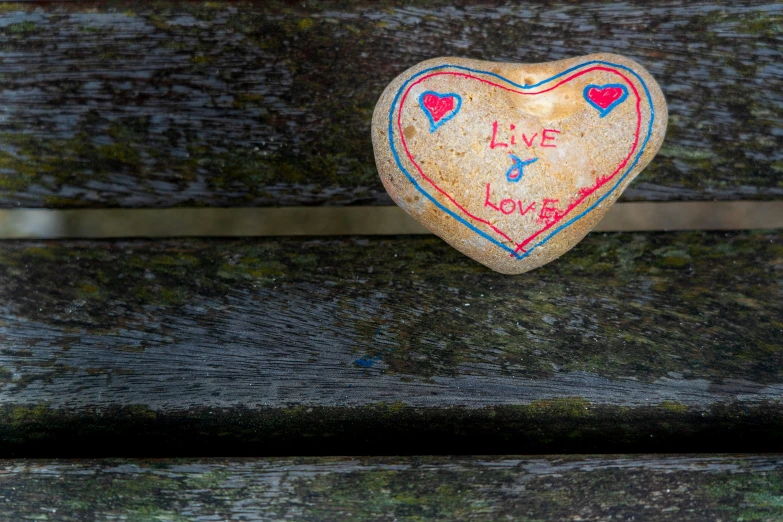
x: 158, y: 104
x: 628, y: 341
x: 588, y: 488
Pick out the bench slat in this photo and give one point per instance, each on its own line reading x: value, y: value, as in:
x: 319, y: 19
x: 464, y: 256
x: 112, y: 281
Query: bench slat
x: 641, y: 487
x: 628, y: 341
x: 253, y: 104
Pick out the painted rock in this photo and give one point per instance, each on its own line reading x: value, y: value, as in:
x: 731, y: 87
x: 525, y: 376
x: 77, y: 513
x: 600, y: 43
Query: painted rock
x: 513, y: 164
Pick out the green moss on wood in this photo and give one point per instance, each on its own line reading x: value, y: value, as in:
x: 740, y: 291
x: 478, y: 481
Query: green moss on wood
x: 408, y: 488
x: 698, y: 305
x: 437, y: 494
x: 286, y: 102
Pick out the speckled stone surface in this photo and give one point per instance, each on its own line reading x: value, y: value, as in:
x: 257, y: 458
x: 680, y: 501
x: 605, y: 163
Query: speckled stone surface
x: 513, y: 164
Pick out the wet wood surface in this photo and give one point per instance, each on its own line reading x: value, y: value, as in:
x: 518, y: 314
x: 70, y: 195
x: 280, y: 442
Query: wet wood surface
x: 588, y: 488
x: 629, y: 342
x: 141, y: 104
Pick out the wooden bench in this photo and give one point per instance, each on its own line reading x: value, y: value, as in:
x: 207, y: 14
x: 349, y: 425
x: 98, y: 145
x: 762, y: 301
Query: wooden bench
x: 188, y: 349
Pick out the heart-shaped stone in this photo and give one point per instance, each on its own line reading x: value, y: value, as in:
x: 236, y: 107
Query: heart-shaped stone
x: 513, y: 164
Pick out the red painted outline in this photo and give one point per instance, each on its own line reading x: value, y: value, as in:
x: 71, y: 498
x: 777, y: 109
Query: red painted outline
x: 582, y: 192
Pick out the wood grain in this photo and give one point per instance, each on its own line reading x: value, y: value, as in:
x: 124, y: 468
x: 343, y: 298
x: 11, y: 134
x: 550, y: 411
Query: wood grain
x: 194, y: 347
x: 588, y: 488
x: 140, y: 104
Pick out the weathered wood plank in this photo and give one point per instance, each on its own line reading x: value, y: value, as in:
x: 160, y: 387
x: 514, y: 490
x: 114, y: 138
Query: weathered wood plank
x: 650, y: 488
x: 630, y: 341
x: 160, y: 104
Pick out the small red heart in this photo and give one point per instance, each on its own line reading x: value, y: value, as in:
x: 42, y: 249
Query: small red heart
x: 604, y: 97
x: 438, y: 106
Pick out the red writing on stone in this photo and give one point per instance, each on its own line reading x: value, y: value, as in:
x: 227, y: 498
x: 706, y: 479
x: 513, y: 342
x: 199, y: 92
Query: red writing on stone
x: 502, y: 138
x: 547, y: 211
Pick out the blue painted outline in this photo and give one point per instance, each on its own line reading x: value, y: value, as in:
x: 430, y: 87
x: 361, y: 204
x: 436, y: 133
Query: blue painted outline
x: 433, y: 125
x: 488, y: 73
x: 614, y: 104
x: 518, y: 165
